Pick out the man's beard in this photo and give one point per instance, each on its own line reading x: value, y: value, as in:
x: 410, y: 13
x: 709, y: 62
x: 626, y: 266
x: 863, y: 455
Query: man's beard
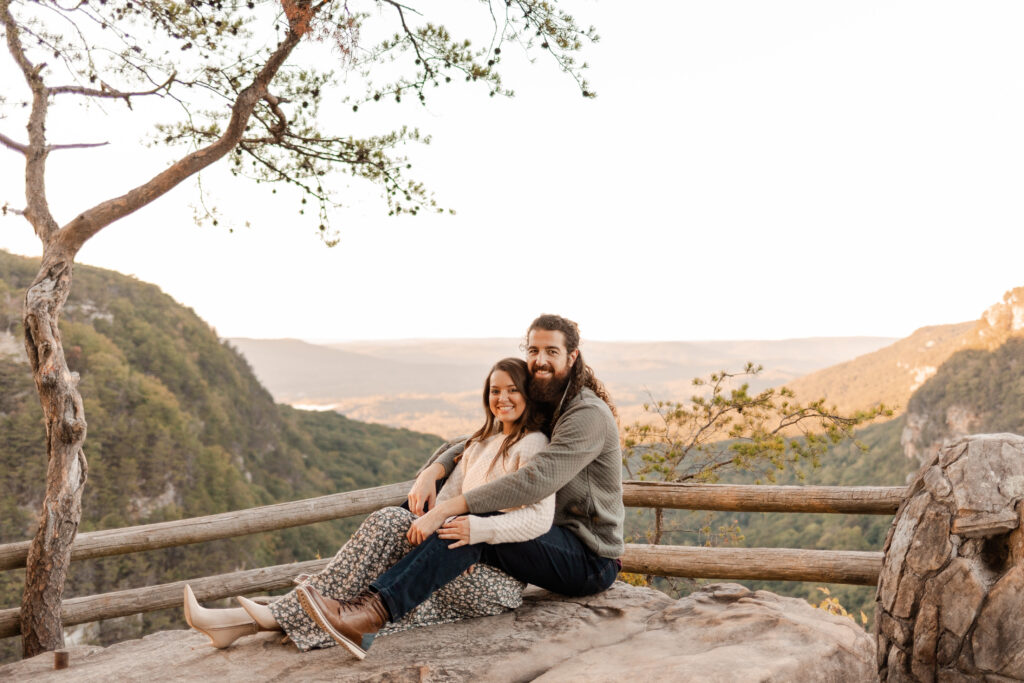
x: 548, y: 390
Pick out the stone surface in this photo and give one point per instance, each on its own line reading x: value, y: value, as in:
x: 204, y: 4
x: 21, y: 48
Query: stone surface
x: 989, y: 479
x: 908, y: 594
x: 931, y: 547
x: 723, y: 632
x: 999, y: 636
x: 950, y: 602
x: 936, y: 483
x: 897, y: 544
x: 926, y: 634
x: 960, y: 596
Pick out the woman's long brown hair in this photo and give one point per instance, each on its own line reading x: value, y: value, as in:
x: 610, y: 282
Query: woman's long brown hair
x: 531, y: 419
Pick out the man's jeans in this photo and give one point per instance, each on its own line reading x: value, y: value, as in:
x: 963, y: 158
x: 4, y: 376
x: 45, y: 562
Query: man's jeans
x: 557, y: 561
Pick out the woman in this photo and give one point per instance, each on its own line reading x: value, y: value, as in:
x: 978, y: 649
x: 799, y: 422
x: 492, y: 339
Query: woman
x: 509, y: 437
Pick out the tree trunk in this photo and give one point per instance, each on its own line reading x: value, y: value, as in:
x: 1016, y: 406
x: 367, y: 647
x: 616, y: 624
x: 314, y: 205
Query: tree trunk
x: 50, y: 552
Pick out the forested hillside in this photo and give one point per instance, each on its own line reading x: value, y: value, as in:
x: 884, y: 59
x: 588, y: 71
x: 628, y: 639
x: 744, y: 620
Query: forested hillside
x: 975, y: 391
x: 178, y: 427
x: 881, y: 464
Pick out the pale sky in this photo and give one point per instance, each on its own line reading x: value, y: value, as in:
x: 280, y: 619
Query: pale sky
x: 749, y: 170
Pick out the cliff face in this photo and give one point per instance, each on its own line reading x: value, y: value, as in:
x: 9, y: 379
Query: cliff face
x: 723, y: 632
x: 976, y: 391
x: 1001, y: 321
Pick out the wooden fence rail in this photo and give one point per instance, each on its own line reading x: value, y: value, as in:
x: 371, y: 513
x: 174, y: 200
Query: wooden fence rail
x: 225, y: 525
x: 873, y: 500
x: 856, y: 500
x: 825, y: 566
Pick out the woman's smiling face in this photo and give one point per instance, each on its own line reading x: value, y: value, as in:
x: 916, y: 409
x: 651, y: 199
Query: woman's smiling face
x: 507, y: 401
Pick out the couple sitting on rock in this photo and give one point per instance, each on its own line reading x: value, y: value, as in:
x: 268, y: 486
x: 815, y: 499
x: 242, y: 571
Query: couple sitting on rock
x: 543, y: 512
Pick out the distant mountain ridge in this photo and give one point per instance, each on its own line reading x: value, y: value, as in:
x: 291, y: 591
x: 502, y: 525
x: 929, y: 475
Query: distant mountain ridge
x: 297, y: 371
x: 891, y: 375
x: 434, y: 385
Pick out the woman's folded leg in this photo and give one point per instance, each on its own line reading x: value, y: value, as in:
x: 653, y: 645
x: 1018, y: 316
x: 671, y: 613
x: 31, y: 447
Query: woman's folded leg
x: 426, y: 568
x: 376, y: 545
x: 484, y: 592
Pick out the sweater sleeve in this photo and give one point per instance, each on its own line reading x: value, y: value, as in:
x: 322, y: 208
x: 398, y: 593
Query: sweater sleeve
x: 522, y: 524
x: 578, y: 439
x: 453, y: 486
x: 446, y: 455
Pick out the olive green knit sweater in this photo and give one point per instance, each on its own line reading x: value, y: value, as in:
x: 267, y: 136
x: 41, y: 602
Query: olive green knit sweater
x: 583, y: 464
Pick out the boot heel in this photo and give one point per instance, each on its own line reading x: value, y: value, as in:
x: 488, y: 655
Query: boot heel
x: 222, y: 627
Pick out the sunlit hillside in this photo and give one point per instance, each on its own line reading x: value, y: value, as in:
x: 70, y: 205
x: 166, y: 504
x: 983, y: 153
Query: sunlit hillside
x: 893, y: 373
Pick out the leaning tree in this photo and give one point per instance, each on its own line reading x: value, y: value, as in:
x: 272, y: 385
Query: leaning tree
x: 241, y: 88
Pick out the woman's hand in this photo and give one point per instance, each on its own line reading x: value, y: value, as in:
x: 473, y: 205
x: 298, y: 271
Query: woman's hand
x: 424, y: 491
x: 424, y: 526
x: 455, y: 529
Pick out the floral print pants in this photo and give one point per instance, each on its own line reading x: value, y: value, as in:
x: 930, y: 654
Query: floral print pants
x: 378, y: 543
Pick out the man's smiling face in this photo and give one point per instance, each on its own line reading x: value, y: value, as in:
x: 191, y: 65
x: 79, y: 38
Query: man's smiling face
x: 549, y: 364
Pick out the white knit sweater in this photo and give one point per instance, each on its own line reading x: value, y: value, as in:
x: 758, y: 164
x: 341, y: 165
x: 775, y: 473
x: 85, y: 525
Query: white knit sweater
x: 475, y: 469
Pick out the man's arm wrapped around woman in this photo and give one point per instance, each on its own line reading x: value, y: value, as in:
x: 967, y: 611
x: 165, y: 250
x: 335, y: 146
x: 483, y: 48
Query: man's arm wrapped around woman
x: 521, y: 524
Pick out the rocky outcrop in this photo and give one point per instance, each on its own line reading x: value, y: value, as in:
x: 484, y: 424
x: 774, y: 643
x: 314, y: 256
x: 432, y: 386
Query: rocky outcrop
x: 951, y: 591
x: 1002, y: 320
x: 723, y: 632
x: 924, y: 434
x: 892, y: 374
x: 974, y: 389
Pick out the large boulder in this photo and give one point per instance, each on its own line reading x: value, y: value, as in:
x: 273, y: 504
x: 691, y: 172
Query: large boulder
x: 723, y: 632
x: 951, y: 593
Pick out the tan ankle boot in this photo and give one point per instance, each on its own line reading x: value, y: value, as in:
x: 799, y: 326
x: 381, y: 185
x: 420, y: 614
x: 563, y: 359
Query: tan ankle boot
x: 346, y: 622
x: 221, y: 626
x: 261, y: 614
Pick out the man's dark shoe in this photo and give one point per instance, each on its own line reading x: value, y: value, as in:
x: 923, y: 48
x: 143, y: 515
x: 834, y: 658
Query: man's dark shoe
x: 346, y: 622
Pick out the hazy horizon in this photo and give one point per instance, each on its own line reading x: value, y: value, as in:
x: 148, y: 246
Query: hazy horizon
x: 623, y: 340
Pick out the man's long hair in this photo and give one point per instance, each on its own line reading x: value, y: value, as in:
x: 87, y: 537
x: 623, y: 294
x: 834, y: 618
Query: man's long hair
x: 580, y: 374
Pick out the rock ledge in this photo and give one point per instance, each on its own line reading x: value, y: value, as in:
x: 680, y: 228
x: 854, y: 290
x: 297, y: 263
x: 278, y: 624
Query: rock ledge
x: 723, y: 632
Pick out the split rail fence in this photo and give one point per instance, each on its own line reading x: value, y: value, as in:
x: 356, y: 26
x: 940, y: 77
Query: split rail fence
x: 824, y: 566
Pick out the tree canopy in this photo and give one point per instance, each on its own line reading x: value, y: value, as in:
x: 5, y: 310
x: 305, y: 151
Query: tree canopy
x: 231, y: 80
x: 248, y: 80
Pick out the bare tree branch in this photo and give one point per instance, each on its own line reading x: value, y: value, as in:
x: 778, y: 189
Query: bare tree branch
x: 412, y: 38
x: 108, y: 92
x: 279, y: 128
x: 91, y: 221
x: 8, y: 209
x: 38, y: 210
x: 13, y: 144
x: 76, y: 145
x: 30, y: 71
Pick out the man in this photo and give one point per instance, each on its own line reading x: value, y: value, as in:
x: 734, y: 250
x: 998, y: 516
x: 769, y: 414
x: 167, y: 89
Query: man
x: 582, y: 463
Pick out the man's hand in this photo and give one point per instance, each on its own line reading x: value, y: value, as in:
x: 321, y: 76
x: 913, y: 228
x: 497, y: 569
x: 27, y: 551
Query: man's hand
x: 424, y: 526
x: 455, y: 529
x: 424, y: 491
